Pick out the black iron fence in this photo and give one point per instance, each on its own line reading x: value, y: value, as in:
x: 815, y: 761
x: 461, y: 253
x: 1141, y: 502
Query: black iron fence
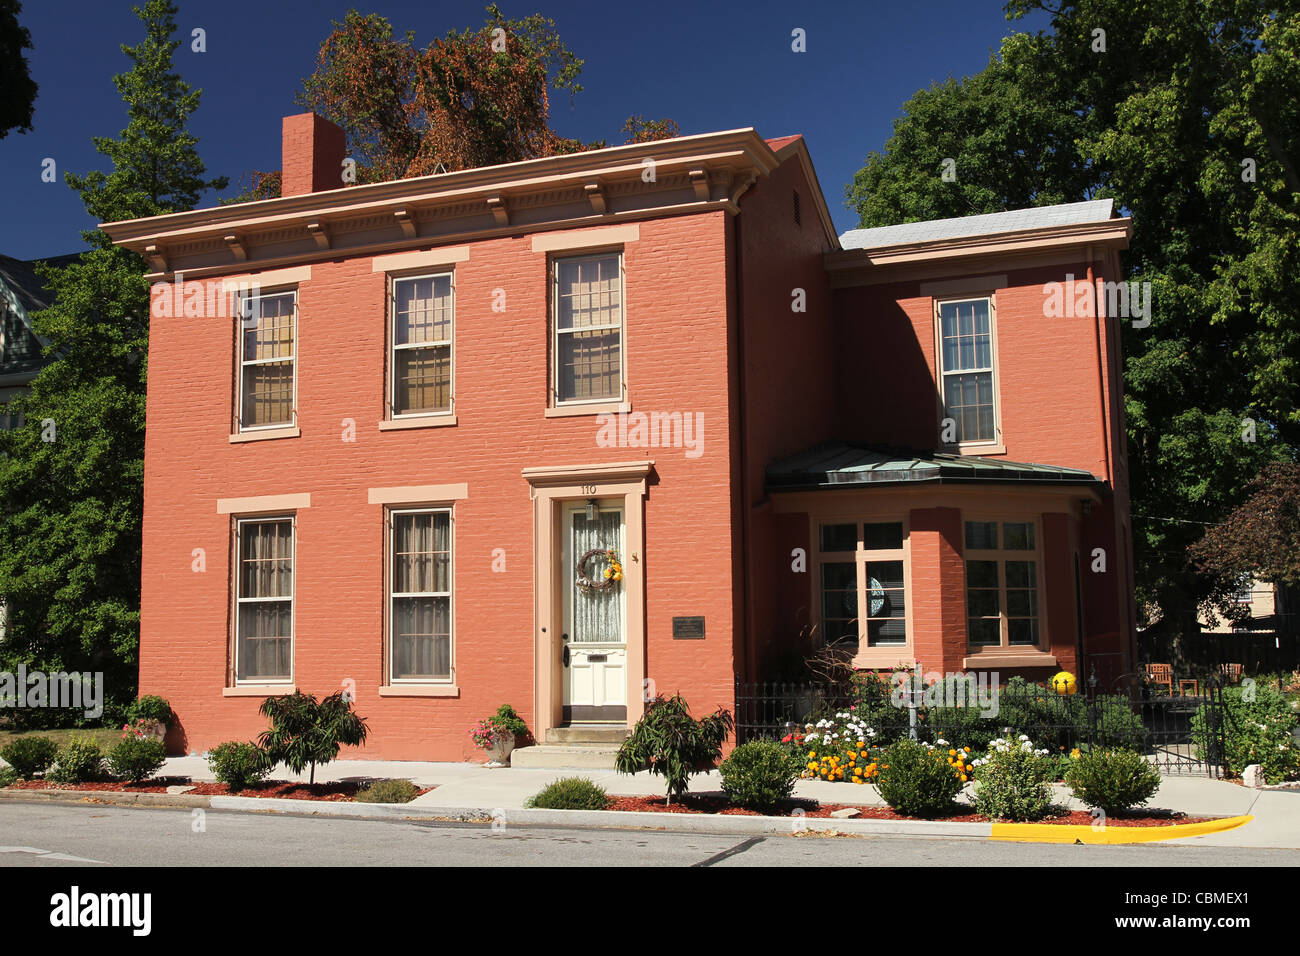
x: 1180, y: 734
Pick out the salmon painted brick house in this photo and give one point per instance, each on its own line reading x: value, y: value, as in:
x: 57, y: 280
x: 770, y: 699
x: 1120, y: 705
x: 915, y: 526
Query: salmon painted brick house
x: 394, y: 431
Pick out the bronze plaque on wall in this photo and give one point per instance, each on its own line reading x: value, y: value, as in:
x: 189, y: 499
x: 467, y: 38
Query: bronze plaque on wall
x: 688, y: 628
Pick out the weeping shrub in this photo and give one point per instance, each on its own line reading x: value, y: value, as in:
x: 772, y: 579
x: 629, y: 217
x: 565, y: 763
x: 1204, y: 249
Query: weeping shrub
x: 306, y: 732
x: 669, y: 742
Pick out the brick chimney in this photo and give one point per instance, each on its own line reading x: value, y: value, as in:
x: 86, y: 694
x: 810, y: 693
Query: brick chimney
x: 312, y: 154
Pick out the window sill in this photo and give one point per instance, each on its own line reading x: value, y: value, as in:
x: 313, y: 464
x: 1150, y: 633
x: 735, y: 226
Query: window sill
x: 1003, y: 657
x: 881, y: 658
x: 266, y: 435
x: 420, y: 690
x: 424, y: 421
x: 259, y: 690
x: 983, y: 448
x: 589, y: 408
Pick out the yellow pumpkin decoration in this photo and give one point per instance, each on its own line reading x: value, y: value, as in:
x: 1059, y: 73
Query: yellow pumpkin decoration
x: 1064, y: 683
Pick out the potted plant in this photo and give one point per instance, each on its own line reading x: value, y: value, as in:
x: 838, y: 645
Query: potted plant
x: 153, y: 710
x: 508, y: 718
x: 496, y: 737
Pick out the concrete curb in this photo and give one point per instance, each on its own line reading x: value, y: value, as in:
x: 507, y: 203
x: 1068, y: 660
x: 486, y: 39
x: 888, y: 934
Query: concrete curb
x: 620, y: 819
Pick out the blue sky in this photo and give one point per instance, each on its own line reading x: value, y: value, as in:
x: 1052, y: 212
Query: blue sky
x: 710, y: 66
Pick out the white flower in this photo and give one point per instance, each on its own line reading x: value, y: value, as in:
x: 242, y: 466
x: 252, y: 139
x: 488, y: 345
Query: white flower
x: 1022, y: 737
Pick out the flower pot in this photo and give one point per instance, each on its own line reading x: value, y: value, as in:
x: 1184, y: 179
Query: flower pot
x: 499, y: 752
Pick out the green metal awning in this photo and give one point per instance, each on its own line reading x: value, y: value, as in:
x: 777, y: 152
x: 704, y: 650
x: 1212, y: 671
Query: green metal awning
x: 846, y: 465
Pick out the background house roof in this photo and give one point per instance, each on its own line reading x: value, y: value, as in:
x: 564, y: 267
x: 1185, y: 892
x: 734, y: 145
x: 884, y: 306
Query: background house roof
x: 22, y: 293
x: 844, y: 464
x: 1017, y: 220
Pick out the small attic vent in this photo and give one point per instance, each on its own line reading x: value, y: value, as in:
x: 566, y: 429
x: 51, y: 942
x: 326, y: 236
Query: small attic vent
x: 797, y: 220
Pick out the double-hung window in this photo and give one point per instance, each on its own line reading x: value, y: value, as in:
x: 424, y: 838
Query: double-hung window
x: 267, y: 360
x: 863, y: 583
x: 421, y: 362
x: 967, y: 380
x: 1002, y: 584
x: 420, y: 612
x: 587, y: 348
x: 264, y: 600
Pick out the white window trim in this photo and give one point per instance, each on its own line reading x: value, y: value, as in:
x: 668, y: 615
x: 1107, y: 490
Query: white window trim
x: 391, y: 596
x: 554, y: 386
x: 393, y: 347
x: 293, y: 597
x: 882, y: 655
x: 239, y: 332
x: 996, y: 445
x: 1001, y: 555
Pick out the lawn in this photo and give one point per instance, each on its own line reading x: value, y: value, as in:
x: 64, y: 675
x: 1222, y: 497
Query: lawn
x: 106, y: 737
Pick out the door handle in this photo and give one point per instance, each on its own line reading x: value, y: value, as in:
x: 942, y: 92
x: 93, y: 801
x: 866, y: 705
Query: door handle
x: 565, y: 655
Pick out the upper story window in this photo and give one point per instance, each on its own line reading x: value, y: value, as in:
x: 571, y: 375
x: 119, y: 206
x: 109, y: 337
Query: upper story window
x: 968, y: 380
x: 421, y: 363
x: 264, y: 600
x: 588, y: 324
x: 267, y: 360
x: 1002, y: 582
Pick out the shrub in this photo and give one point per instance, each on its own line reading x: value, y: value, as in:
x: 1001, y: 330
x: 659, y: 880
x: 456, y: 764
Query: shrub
x: 875, y: 707
x: 7, y: 776
x: 238, y: 765
x: 389, y: 791
x: 668, y: 741
x: 151, y: 708
x: 79, y: 761
x: 1013, y: 782
x: 838, y: 745
x: 759, y: 774
x: 916, y: 780
x: 30, y: 755
x: 1114, y: 780
x: 1060, y: 721
x: 569, y: 793
x: 967, y: 725
x: 136, y: 758
x: 1258, y: 730
x: 306, y: 732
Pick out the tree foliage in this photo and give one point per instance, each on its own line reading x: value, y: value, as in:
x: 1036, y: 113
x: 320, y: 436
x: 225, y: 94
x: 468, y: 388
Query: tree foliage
x: 305, y: 732
x: 17, y: 88
x: 1162, y: 120
x: 71, y: 478
x: 669, y: 742
x: 471, y: 98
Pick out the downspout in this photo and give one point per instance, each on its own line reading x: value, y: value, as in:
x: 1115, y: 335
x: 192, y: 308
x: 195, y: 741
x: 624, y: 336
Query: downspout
x: 1099, y: 313
x: 751, y: 661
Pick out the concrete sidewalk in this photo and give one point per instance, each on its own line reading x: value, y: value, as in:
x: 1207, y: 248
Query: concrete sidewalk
x: 461, y: 785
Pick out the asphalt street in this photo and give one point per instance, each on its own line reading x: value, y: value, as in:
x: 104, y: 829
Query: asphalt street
x: 50, y: 835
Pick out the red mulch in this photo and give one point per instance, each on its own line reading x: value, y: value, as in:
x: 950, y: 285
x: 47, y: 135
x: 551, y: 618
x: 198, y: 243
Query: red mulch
x: 696, y: 803
x: 340, y: 791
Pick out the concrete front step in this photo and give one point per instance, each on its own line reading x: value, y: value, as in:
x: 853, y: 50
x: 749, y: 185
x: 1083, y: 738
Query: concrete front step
x: 564, y: 756
x: 587, y: 734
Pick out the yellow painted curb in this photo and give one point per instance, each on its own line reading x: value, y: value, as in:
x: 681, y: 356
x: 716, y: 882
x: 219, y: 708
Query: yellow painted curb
x: 1070, y: 833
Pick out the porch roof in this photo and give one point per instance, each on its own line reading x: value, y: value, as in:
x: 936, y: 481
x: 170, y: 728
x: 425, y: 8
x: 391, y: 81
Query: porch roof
x: 846, y: 464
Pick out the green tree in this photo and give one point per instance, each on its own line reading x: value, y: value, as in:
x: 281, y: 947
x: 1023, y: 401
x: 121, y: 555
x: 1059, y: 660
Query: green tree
x: 305, y: 732
x: 1161, y: 112
x: 71, y: 477
x: 17, y: 88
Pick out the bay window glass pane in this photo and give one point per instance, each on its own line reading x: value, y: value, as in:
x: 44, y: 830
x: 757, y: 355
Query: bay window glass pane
x: 1018, y: 535
x: 1022, y: 630
x: 839, y: 537
x: 839, y: 602
x: 886, y: 611
x: 982, y: 535
x: 982, y: 574
x: 984, y: 632
x: 885, y: 536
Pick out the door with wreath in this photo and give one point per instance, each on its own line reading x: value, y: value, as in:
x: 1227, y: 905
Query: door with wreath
x: 594, y: 632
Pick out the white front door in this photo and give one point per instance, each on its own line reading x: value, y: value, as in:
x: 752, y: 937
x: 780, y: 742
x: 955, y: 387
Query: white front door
x: 594, y: 631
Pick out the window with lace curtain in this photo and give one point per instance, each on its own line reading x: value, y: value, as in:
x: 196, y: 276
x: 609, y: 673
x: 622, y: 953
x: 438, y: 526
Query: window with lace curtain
x: 420, y: 626
x: 587, y: 347
x: 264, y: 600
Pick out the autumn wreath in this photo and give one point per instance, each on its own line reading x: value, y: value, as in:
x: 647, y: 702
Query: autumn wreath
x: 612, y: 574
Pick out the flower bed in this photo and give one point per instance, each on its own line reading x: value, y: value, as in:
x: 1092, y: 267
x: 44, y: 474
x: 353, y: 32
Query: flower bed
x: 341, y: 791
